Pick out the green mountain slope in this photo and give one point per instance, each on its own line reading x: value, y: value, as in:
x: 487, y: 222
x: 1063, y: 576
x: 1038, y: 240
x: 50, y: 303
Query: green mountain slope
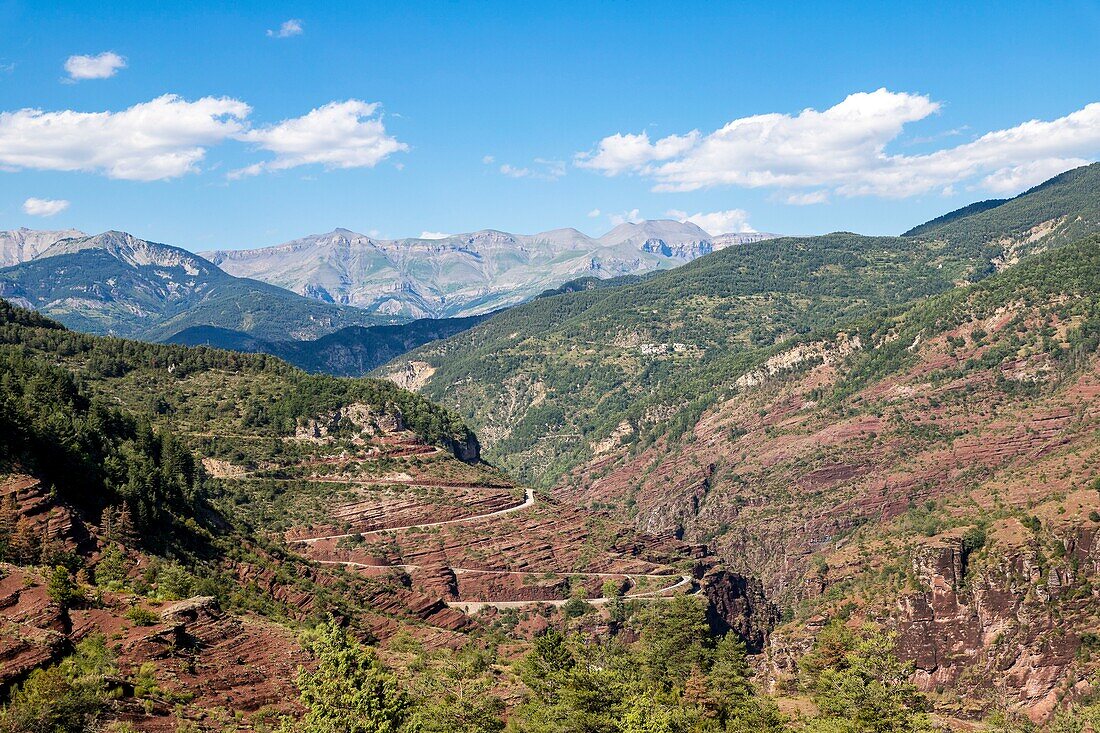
x: 933, y: 469
x: 116, y: 284
x: 975, y: 208
x: 1059, y: 211
x: 550, y: 384
x: 218, y: 392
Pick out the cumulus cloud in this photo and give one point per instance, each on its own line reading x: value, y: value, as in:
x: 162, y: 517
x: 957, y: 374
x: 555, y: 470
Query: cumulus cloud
x: 101, y: 66
x: 488, y: 159
x: 163, y: 138
x: 44, y: 207
x: 433, y: 235
x: 593, y: 214
x: 292, y: 27
x: 716, y: 222
x: 842, y: 150
x: 338, y: 135
x: 627, y: 217
x: 169, y: 137
x: 1022, y: 177
x: 619, y: 153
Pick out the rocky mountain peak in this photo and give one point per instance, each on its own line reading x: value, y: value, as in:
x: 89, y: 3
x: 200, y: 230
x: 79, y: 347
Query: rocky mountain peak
x: 22, y: 244
x: 131, y: 250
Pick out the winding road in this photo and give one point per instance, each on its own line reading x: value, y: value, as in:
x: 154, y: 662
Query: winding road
x: 472, y: 607
x: 529, y: 500
x: 475, y: 606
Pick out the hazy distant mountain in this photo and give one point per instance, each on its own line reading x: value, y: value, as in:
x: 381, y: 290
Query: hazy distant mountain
x: 349, y: 352
x: 20, y: 245
x: 465, y: 274
x: 115, y: 283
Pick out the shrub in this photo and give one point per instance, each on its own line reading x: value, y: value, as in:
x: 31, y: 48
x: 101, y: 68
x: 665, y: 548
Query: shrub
x: 142, y: 616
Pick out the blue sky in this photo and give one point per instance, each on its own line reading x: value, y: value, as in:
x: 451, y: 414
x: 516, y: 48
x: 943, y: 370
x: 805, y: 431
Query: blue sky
x: 450, y: 117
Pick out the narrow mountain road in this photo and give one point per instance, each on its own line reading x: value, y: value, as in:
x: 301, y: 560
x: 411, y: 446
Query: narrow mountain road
x: 472, y: 607
x: 528, y: 501
x: 475, y: 606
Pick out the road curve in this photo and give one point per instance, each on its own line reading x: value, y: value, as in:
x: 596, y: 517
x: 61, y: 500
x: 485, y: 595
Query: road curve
x: 475, y: 606
x: 529, y: 500
x: 472, y: 607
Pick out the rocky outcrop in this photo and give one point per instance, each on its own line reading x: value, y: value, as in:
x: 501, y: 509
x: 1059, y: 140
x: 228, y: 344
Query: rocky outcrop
x: 737, y: 604
x: 412, y: 375
x: 1015, y: 623
x: 361, y: 417
x: 41, y: 517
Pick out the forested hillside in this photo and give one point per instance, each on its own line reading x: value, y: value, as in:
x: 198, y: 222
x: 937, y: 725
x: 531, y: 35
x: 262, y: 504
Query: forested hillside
x: 349, y: 352
x: 553, y: 383
x: 1054, y: 213
x: 944, y: 455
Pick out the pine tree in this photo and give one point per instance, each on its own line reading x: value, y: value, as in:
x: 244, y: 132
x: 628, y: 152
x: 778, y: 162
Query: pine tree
x: 124, y: 529
x: 25, y: 542
x: 60, y: 587
x: 349, y: 691
x: 545, y: 668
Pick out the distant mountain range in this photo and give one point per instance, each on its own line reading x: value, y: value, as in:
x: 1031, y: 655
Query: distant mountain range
x: 466, y: 274
x: 114, y: 283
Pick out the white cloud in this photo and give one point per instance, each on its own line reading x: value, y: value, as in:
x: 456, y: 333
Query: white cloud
x: 168, y: 137
x: 346, y: 134
x: 433, y: 235
x: 44, y: 207
x: 543, y: 170
x: 619, y: 153
x: 632, y: 217
x: 1022, y: 177
x: 808, y: 198
x: 101, y: 66
x: 514, y: 172
x: 842, y: 150
x: 488, y: 159
x: 163, y: 138
x: 716, y: 222
x: 292, y: 27
x: 593, y: 214
x: 552, y: 169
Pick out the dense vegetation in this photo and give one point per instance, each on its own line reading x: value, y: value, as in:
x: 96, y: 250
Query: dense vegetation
x: 662, y: 671
x: 547, y: 381
x: 350, y: 352
x: 99, y: 458
x: 200, y: 390
x: 1065, y: 283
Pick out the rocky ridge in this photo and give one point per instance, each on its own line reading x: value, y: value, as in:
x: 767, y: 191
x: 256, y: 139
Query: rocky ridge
x: 465, y: 274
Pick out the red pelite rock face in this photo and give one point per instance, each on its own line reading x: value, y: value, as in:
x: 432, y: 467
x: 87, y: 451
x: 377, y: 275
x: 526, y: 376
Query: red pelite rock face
x: 1009, y: 622
x: 769, y: 478
x: 737, y: 604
